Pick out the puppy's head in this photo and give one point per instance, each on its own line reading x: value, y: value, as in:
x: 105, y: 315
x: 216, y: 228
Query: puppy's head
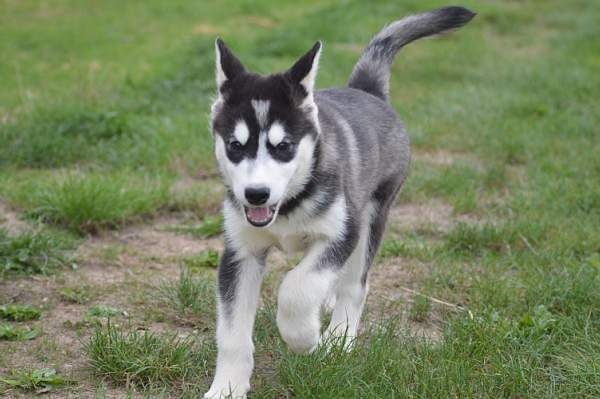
x: 265, y: 130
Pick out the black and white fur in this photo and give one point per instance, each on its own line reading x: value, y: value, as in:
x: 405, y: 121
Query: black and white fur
x: 306, y: 170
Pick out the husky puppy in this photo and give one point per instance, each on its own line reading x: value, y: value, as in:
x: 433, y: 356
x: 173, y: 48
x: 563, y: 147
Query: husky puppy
x: 311, y: 170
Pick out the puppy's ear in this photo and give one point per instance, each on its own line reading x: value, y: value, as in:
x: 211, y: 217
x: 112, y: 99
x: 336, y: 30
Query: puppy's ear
x: 304, y: 71
x: 227, y: 65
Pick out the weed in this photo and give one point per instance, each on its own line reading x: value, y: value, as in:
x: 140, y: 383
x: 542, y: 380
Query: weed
x: 10, y: 332
x: 103, y: 311
x: 19, y: 312
x: 77, y: 294
x: 38, y: 380
x: 34, y: 252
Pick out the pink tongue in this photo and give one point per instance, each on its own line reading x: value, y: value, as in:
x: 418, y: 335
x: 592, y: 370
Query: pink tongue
x: 261, y: 213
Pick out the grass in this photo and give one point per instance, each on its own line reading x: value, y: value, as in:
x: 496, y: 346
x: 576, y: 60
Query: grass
x: 103, y: 311
x: 392, y: 248
x: 54, y: 139
x: 77, y: 294
x: 420, y: 308
x: 209, y: 227
x: 208, y: 258
x: 191, y: 298
x: 10, y: 332
x: 34, y: 252
x: 38, y: 380
x: 103, y: 121
x: 86, y: 204
x: 142, y: 358
x: 386, y: 362
x: 201, y: 199
x: 471, y: 240
x: 15, y: 312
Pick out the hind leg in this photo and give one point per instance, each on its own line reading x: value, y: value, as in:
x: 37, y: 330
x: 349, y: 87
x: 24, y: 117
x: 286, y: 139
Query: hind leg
x: 350, y: 294
x: 352, y: 288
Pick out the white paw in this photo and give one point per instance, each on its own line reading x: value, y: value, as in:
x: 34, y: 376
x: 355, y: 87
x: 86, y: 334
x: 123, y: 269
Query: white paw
x: 301, y: 336
x: 227, y: 391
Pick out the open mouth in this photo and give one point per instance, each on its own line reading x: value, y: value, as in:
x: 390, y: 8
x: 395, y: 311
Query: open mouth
x: 260, y: 216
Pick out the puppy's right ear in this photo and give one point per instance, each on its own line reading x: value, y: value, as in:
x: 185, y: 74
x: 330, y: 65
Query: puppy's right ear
x: 228, y: 66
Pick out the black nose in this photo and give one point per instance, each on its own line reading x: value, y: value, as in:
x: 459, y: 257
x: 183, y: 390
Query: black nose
x: 257, y: 195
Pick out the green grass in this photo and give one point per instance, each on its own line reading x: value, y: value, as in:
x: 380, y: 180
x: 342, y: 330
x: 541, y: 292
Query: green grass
x: 54, y: 139
x: 143, y: 358
x: 11, y: 332
x: 38, y: 380
x: 103, y: 121
x: 386, y: 362
x: 16, y: 312
x: 201, y: 199
x: 208, y: 258
x: 79, y: 294
x: 191, y: 297
x: 420, y: 308
x: 392, y: 248
x: 88, y: 203
x: 209, y: 227
x: 34, y: 252
x: 103, y: 311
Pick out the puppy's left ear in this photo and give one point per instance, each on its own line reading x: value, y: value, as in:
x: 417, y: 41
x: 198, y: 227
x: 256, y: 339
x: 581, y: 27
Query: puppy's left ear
x: 304, y: 71
x: 228, y: 66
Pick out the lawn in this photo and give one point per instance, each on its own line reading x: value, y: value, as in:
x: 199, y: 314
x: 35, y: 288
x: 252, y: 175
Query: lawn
x: 488, y: 281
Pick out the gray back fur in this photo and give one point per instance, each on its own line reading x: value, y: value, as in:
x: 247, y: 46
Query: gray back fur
x: 363, y: 141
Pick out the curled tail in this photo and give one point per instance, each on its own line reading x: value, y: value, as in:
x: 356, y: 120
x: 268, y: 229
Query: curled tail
x: 372, y: 71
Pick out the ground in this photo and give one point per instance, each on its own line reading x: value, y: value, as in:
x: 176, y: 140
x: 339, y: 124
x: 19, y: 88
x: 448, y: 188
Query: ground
x: 486, y: 284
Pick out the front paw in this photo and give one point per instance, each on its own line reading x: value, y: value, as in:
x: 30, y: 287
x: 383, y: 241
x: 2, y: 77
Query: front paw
x: 227, y: 390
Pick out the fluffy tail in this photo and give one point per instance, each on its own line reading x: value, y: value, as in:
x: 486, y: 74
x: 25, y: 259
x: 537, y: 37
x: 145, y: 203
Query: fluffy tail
x: 372, y: 71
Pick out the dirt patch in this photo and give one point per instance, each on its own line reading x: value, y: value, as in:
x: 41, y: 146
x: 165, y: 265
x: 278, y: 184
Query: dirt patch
x: 394, y: 284
x: 58, y: 347
x: 446, y: 158
x: 157, y: 241
x: 392, y: 287
x: 435, y: 215
x: 122, y: 266
x: 10, y: 221
x: 119, y: 266
x: 149, y: 241
x: 141, y: 254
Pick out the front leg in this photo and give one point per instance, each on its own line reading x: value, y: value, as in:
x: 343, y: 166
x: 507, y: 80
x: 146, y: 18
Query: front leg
x: 240, y: 277
x: 306, y: 288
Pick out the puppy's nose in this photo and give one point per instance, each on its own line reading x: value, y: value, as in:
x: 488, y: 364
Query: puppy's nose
x: 257, y: 195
